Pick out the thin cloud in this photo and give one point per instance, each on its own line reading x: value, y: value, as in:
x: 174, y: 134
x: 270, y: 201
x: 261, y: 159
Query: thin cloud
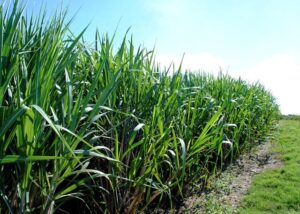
x: 194, y: 62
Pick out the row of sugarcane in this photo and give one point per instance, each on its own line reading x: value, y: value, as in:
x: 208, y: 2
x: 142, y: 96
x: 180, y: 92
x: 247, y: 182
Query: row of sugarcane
x: 105, y: 130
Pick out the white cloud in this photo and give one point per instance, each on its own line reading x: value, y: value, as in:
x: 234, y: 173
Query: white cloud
x: 281, y: 75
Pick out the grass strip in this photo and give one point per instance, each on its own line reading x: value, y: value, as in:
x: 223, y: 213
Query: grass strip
x: 278, y: 191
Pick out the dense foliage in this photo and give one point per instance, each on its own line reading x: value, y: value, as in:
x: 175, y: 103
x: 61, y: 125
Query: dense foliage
x: 99, y: 130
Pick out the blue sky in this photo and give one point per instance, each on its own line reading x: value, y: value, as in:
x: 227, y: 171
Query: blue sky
x: 257, y: 39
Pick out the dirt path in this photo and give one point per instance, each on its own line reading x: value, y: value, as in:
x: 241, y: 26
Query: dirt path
x: 226, y: 190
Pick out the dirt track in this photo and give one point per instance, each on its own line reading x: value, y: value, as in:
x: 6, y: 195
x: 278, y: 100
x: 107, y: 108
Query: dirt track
x: 228, y: 188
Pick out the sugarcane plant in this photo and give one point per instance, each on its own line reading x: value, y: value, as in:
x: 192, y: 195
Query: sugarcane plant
x: 99, y: 129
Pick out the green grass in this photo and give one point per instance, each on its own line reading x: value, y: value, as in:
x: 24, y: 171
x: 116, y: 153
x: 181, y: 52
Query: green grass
x: 278, y: 191
x: 290, y: 117
x: 102, y: 128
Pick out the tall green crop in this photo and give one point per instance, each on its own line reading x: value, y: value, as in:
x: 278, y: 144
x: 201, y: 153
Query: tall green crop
x: 105, y: 130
